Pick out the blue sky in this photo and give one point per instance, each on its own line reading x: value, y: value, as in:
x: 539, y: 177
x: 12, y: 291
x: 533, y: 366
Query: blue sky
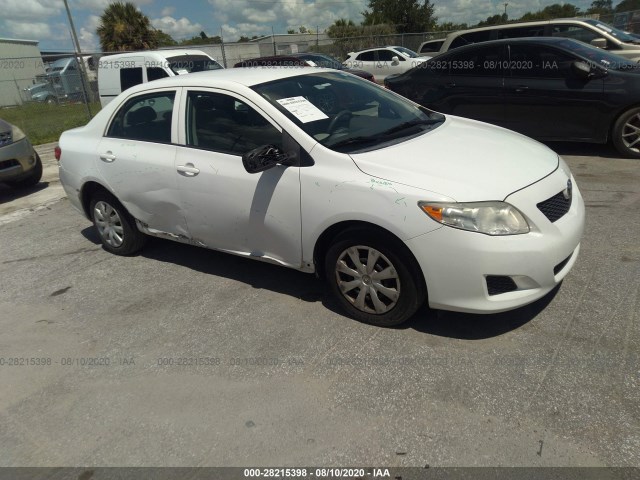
x: 46, y: 21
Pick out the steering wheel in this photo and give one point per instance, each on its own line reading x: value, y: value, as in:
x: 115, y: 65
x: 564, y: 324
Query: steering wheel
x: 343, y: 114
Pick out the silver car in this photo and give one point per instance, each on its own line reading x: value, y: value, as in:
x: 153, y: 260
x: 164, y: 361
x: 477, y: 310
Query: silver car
x: 20, y: 165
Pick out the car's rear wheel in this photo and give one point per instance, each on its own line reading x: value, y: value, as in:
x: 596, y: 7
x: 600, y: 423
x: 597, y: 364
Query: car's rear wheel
x: 374, y: 277
x: 33, y: 178
x: 626, y: 133
x: 115, y: 226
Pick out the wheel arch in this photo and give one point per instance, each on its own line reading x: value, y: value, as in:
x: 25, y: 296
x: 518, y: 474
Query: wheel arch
x: 616, y: 116
x: 327, y: 237
x: 87, y: 191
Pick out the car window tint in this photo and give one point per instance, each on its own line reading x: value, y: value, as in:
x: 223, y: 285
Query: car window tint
x: 155, y: 73
x: 225, y: 124
x: 520, y: 32
x: 537, y: 61
x: 130, y: 77
x: 366, y: 56
x: 471, y: 38
x: 485, y: 62
x: 145, y: 117
x: 386, y: 55
x: 576, y: 32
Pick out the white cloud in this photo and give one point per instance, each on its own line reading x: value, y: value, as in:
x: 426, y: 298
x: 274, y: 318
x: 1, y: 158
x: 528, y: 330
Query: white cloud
x: 167, y: 11
x: 30, y: 9
x: 177, y: 28
x: 88, y: 36
x: 99, y: 5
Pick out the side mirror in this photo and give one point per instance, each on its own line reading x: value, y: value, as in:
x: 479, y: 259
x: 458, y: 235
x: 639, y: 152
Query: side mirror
x: 263, y: 158
x: 581, y: 69
x: 599, y: 42
x: 395, y: 60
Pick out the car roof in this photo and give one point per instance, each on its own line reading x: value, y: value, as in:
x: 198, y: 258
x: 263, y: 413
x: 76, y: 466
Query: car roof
x: 520, y: 24
x: 231, y: 77
x: 372, y: 48
x: 160, y: 53
x: 502, y: 41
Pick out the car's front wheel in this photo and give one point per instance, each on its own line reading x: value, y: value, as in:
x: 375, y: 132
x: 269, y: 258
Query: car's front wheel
x: 115, y: 226
x: 374, y: 277
x: 626, y: 133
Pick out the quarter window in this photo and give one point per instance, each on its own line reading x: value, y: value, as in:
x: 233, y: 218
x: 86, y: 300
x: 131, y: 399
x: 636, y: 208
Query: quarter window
x: 145, y: 117
x: 130, y: 77
x: 225, y: 124
x: 155, y: 73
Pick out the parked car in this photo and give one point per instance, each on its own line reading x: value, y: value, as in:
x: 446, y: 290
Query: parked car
x: 273, y: 61
x: 587, y: 30
x: 383, y: 61
x: 392, y: 203
x: 20, y: 165
x: 551, y: 89
x: 430, y: 47
x: 118, y: 72
x: 325, y: 61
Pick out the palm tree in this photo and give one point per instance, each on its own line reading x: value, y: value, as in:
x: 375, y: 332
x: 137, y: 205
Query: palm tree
x: 123, y: 27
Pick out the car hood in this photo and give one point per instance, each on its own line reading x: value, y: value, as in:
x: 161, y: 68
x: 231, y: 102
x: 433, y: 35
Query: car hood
x: 462, y: 159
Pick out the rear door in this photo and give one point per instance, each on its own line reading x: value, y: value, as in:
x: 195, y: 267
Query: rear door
x: 544, y: 99
x: 136, y: 160
x: 474, y: 84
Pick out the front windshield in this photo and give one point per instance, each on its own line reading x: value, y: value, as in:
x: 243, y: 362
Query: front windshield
x: 597, y: 56
x: 192, y: 63
x: 619, y: 34
x: 406, y: 52
x: 323, y: 61
x: 345, y: 113
x: 59, y: 65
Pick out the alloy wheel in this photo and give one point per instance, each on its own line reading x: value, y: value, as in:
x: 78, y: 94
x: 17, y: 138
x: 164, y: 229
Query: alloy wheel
x: 109, y: 224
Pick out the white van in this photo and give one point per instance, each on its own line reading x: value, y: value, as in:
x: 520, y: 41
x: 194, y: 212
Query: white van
x: 118, y: 72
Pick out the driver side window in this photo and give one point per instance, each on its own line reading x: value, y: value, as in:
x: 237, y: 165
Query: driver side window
x: 223, y: 123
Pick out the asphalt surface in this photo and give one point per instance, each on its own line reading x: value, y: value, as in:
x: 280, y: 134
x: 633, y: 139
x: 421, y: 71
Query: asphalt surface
x: 92, y: 345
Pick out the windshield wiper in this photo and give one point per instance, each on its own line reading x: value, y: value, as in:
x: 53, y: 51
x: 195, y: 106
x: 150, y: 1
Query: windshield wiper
x: 411, y: 124
x: 354, y: 141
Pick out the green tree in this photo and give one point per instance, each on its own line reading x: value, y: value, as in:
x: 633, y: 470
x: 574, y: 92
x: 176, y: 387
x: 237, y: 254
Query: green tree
x: 494, y: 20
x: 342, y: 28
x: 164, y: 39
x: 407, y: 16
x: 291, y: 31
x: 556, y: 10
x: 627, y: 5
x: 200, y: 40
x: 123, y: 27
x: 602, y: 7
x: 243, y: 39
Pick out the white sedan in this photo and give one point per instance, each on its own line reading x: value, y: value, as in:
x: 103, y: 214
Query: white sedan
x: 392, y: 203
x: 384, y: 61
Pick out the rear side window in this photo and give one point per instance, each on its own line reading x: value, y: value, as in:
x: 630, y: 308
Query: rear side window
x: 576, y: 32
x: 145, y: 117
x: 520, y: 32
x: 476, y: 62
x: 155, y: 73
x: 537, y: 61
x: 367, y: 56
x: 386, y: 55
x: 130, y: 77
x: 473, y: 37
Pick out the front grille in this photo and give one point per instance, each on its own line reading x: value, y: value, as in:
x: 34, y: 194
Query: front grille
x: 561, y: 265
x: 555, y: 207
x: 497, y: 284
x: 8, y: 164
x: 5, y: 138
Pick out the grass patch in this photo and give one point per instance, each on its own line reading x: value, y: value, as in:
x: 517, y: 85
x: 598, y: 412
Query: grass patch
x: 44, y: 123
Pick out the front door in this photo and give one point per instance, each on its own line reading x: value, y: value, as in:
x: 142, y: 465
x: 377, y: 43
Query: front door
x: 226, y: 207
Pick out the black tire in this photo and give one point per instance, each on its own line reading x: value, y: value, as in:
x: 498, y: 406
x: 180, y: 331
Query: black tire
x: 624, y: 133
x: 51, y: 100
x: 34, y: 176
x: 394, y: 258
x: 116, y: 224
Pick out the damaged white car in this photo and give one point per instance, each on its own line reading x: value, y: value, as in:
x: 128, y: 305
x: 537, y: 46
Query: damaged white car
x: 324, y: 172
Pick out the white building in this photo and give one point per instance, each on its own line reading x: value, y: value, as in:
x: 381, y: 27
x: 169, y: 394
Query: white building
x: 20, y: 62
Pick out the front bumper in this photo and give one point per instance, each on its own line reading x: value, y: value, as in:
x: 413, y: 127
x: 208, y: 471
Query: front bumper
x: 16, y: 160
x: 460, y: 266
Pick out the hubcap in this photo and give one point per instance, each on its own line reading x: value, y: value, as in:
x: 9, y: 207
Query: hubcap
x: 108, y: 223
x: 631, y: 133
x: 367, y: 279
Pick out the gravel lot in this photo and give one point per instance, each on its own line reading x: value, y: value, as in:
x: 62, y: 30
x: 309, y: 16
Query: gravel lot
x: 186, y: 357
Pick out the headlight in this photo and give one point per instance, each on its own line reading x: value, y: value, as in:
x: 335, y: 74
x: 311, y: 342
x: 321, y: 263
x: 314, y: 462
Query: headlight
x: 491, y: 218
x: 16, y: 133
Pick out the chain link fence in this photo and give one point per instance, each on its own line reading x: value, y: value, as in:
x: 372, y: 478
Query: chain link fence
x: 45, y: 95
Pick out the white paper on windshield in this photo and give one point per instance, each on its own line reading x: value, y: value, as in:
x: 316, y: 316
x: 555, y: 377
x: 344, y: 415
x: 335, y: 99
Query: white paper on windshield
x: 603, y: 27
x: 182, y: 71
x: 302, y: 109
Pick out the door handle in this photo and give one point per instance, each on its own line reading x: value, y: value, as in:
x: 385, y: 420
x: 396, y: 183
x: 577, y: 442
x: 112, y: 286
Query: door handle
x: 188, y: 170
x: 107, y: 157
x: 521, y: 88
